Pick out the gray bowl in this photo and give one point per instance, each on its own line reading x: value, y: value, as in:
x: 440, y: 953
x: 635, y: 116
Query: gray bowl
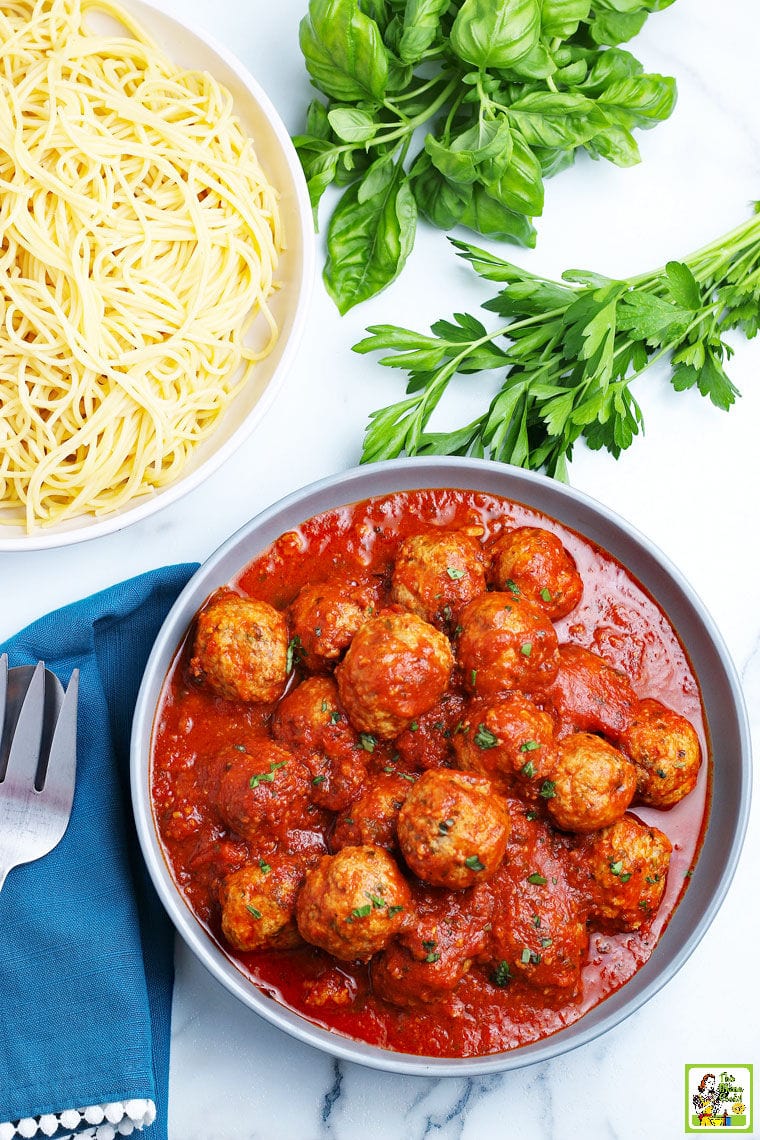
x: 723, y: 702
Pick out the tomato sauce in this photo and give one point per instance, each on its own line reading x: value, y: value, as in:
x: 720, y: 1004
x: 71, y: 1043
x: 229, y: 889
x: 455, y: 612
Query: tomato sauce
x: 616, y: 618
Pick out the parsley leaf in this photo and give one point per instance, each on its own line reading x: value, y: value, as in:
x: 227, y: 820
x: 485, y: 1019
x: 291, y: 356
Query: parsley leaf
x: 568, y: 354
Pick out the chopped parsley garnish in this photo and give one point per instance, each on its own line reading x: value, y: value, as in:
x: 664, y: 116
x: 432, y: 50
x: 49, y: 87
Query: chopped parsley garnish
x: 474, y: 863
x: 433, y: 956
x: 526, y: 648
x: 617, y: 869
x: 528, y: 769
x: 547, y: 790
x: 264, y: 867
x: 473, y: 677
x: 484, y: 738
x: 513, y: 587
x: 454, y: 573
x: 252, y: 910
x: 529, y: 957
x: 546, y: 594
x: 529, y: 746
x: 334, y: 716
x: 319, y: 780
x: 266, y: 777
x: 360, y: 912
x: 537, y: 879
x: 367, y: 741
x: 445, y: 826
x: 501, y: 975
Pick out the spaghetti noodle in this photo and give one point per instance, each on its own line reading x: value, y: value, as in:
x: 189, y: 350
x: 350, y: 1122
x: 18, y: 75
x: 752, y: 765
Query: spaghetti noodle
x: 139, y: 237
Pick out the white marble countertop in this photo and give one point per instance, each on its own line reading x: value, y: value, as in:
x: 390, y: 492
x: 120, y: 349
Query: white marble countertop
x: 689, y: 483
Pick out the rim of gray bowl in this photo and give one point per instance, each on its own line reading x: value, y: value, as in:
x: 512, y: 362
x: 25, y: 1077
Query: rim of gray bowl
x: 723, y: 701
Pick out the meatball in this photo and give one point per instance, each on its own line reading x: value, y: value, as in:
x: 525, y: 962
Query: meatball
x: 263, y: 791
x: 436, y: 947
x: 395, y: 669
x: 665, y: 749
x: 310, y: 721
x: 241, y: 648
x: 506, y: 643
x: 623, y: 871
x: 373, y: 817
x: 453, y: 829
x: 258, y: 903
x: 426, y: 743
x: 326, y: 615
x: 539, y: 929
x: 589, y: 695
x: 352, y: 903
x: 510, y: 740
x: 532, y: 562
x: 593, y: 783
x: 435, y: 574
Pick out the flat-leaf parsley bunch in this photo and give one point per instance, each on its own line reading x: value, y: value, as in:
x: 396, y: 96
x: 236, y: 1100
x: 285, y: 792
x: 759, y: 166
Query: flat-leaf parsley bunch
x: 569, y: 351
x: 503, y: 93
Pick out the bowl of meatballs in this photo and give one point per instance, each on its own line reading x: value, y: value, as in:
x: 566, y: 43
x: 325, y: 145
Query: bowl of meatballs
x: 441, y: 767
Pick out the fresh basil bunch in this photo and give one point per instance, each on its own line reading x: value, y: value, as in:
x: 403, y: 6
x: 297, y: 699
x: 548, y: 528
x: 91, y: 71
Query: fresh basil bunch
x: 500, y: 94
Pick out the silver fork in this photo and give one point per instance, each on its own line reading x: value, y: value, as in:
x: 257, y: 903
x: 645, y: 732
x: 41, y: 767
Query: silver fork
x: 38, y: 727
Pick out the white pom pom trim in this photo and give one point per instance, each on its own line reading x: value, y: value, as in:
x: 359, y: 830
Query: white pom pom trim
x: 100, y: 1121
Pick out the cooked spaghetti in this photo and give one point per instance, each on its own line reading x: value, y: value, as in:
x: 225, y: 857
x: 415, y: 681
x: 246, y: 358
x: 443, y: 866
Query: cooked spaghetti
x: 139, y: 237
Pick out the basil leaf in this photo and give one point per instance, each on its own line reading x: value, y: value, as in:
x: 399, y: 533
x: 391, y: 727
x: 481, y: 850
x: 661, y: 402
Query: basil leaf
x: 421, y: 25
x: 317, y: 122
x: 484, y: 214
x: 640, y: 101
x: 344, y: 51
x: 554, y: 159
x: 615, y: 28
x: 489, y: 34
x: 368, y: 242
x: 610, y: 66
x: 378, y: 178
x: 562, y: 17
x: 617, y: 145
x: 352, y: 124
x: 520, y: 187
x: 557, y: 120
x: 485, y: 141
x: 537, y: 64
x: 633, y: 5
x: 319, y: 160
x: 378, y: 10
x: 440, y: 201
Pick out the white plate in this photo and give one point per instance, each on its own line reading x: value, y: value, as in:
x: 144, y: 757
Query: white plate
x: 194, y: 49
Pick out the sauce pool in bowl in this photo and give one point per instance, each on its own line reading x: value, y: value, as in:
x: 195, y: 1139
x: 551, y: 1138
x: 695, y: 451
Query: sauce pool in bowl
x: 503, y: 999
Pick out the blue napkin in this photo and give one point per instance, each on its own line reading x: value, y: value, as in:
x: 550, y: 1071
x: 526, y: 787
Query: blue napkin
x: 86, y: 950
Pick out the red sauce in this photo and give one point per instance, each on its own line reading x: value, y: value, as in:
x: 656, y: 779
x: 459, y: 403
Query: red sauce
x: 616, y: 618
